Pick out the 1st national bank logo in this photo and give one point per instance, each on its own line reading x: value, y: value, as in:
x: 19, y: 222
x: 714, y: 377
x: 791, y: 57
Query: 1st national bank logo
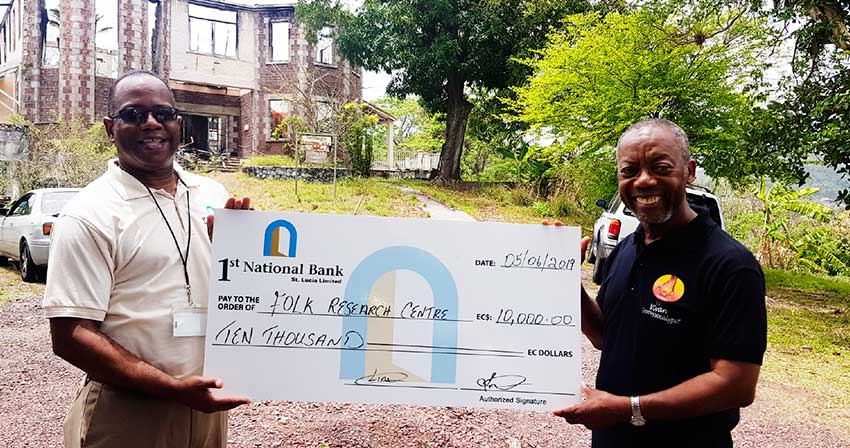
x: 280, y: 233
x: 373, y: 286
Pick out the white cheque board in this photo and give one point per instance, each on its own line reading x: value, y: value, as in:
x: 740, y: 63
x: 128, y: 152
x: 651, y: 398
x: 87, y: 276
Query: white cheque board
x: 334, y: 308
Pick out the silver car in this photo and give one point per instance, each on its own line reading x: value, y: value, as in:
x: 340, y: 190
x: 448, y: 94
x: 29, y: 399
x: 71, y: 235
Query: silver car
x: 26, y: 225
x: 617, y: 222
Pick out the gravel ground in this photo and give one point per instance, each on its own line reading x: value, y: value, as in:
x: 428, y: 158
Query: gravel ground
x: 37, y: 387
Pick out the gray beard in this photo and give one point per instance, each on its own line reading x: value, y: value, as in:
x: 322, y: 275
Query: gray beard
x: 658, y: 219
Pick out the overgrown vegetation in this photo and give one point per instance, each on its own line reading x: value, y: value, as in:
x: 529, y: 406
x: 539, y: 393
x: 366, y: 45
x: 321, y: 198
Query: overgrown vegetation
x: 60, y: 155
x: 354, y: 196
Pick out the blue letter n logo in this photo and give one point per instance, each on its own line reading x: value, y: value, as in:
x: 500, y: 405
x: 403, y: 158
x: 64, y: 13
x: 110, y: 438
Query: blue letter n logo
x: 272, y: 242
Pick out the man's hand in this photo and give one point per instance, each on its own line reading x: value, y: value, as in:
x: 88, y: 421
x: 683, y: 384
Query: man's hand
x: 232, y: 203
x: 194, y: 391
x: 598, y: 410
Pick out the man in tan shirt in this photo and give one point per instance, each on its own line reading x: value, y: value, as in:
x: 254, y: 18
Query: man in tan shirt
x: 130, y: 258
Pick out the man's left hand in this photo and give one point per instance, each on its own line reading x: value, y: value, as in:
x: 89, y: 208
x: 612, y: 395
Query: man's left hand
x: 598, y: 410
x: 232, y: 203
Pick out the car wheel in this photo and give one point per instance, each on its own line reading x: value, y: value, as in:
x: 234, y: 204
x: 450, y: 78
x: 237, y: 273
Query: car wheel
x: 29, y: 271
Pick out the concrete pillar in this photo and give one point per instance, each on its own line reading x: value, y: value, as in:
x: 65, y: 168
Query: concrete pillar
x: 77, y: 59
x: 390, y: 143
x: 30, y: 69
x: 133, y: 53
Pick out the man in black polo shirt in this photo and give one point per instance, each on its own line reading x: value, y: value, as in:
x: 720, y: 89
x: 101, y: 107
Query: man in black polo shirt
x: 680, y: 317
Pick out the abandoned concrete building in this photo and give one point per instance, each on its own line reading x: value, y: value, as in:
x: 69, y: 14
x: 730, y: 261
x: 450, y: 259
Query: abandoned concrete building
x: 237, y: 68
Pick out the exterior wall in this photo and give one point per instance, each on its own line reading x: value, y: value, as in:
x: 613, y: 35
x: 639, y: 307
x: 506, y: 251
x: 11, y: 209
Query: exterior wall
x: 48, y: 107
x: 101, y: 87
x: 10, y: 25
x: 208, y: 69
x: 133, y: 51
x: 284, y: 80
x: 76, y: 60
x: 71, y: 89
x: 30, y: 72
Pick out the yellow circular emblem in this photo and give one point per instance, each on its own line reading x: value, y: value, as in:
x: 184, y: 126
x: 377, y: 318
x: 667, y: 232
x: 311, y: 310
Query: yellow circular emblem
x: 668, y: 288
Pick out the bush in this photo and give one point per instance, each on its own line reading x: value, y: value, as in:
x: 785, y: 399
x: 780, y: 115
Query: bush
x: 358, y: 129
x: 541, y: 208
x: 522, y: 196
x: 62, y: 155
x: 585, y: 179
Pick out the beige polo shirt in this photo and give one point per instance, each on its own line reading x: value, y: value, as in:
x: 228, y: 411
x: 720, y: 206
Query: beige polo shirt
x: 113, y: 260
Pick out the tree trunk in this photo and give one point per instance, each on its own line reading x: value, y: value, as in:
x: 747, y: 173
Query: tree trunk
x: 457, y: 114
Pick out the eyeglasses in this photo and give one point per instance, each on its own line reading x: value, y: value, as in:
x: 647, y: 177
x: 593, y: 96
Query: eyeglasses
x: 135, y: 115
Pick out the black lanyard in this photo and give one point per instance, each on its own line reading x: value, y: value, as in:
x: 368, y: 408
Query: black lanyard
x: 184, y: 260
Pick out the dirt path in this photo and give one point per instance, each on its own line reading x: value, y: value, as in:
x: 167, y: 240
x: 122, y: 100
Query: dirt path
x: 36, y: 389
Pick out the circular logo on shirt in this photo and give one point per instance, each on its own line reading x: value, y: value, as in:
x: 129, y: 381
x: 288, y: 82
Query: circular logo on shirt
x: 668, y: 288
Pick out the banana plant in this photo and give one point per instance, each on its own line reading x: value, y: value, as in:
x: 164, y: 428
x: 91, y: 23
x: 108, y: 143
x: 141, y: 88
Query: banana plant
x: 779, y: 203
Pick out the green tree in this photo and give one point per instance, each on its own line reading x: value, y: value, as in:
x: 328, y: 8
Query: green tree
x: 811, y: 117
x: 415, y: 128
x: 357, y: 136
x: 692, y: 66
x: 497, y: 144
x: 438, y: 49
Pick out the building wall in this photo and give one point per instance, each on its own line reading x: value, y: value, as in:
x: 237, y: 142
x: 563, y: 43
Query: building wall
x: 133, y: 48
x: 48, y: 109
x: 76, y: 60
x: 72, y: 89
x: 291, y: 80
x: 12, y: 52
x: 30, y: 72
x: 209, y: 69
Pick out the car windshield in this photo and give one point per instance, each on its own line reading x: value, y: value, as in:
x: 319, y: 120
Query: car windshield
x: 52, y: 203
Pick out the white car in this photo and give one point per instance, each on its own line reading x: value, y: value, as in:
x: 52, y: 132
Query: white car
x: 26, y: 225
x: 617, y: 222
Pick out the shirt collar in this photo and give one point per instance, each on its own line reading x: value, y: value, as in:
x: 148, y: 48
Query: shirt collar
x: 128, y: 187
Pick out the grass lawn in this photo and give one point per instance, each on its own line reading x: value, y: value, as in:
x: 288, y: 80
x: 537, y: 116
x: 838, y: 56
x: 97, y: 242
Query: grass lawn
x: 354, y: 196
x: 498, y: 203
x: 809, y: 339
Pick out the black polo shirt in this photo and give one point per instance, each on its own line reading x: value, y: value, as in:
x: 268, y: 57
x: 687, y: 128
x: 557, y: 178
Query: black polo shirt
x: 668, y: 309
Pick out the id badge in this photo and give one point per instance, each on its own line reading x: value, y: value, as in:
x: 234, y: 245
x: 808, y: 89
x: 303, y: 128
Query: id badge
x: 189, y: 321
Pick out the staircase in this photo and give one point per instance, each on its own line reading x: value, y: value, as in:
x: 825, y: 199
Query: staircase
x: 230, y: 165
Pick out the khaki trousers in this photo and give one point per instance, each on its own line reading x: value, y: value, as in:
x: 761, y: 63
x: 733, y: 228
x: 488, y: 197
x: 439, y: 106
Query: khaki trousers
x: 103, y: 417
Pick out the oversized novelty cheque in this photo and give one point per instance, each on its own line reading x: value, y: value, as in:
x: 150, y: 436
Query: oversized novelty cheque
x: 333, y: 308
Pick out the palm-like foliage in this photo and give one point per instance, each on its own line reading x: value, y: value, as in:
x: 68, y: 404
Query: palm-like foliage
x: 776, y: 243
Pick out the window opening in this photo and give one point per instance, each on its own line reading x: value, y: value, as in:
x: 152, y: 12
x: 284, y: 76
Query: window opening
x: 212, y: 31
x: 325, y: 47
x: 106, y: 37
x: 50, y: 55
x: 278, y: 111
x: 279, y: 41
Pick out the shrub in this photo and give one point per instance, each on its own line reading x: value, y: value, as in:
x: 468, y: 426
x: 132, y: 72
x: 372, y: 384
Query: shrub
x: 522, y: 196
x: 62, y: 155
x: 585, y: 179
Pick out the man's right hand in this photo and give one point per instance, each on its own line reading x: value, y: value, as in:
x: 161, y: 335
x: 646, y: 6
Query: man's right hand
x: 194, y: 391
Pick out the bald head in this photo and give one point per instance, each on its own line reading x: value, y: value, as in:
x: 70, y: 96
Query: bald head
x: 646, y: 127
x: 132, y: 78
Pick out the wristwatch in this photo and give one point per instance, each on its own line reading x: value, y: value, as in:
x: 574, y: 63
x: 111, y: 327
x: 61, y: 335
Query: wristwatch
x: 637, y: 418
